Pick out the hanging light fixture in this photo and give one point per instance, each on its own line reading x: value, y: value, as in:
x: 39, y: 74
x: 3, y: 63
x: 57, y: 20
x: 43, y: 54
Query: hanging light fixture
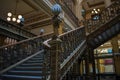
x: 95, y: 14
x: 14, y: 17
x: 95, y: 11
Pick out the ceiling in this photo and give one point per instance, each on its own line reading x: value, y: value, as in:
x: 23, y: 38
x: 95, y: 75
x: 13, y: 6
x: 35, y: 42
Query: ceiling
x: 35, y: 12
x: 32, y: 11
x: 88, y: 5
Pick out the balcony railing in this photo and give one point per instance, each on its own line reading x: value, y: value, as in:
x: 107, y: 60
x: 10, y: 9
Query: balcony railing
x: 15, y: 29
x: 106, y: 17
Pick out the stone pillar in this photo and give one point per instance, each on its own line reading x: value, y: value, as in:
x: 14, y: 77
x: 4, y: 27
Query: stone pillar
x: 114, y: 43
x: 81, y: 68
x: 78, y: 10
x: 98, y: 66
x: 115, y: 48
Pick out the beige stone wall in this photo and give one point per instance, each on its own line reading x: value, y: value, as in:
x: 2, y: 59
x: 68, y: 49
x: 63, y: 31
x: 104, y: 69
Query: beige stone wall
x: 78, y: 8
x: 47, y: 29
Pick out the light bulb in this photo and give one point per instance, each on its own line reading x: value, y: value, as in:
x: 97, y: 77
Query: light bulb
x: 98, y: 9
x: 92, y: 12
x: 14, y: 19
x: 5, y: 48
x: 19, y: 16
x: 9, y: 14
x: 96, y: 12
x: 8, y: 19
x: 94, y: 9
x: 18, y: 20
x: 42, y: 30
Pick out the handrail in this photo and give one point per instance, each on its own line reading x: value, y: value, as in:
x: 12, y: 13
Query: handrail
x: 13, y: 53
x: 20, y: 62
x: 73, y: 44
x: 105, y: 16
x: 15, y: 28
x: 10, y: 54
x: 39, y: 36
x: 68, y: 32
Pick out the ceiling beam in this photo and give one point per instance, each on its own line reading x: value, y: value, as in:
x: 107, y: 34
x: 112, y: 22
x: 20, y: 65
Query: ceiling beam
x: 35, y: 17
x: 37, y: 23
x: 32, y: 4
x: 94, y: 5
x: 44, y: 7
x: 39, y: 5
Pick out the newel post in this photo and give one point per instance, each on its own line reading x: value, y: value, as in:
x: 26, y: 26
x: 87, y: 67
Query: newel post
x: 54, y: 45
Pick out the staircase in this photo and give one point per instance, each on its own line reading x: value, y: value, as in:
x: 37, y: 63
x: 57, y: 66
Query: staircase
x: 104, y: 36
x: 32, y: 62
x: 11, y: 54
x: 13, y: 31
x: 103, y: 29
x: 31, y: 69
x: 107, y: 27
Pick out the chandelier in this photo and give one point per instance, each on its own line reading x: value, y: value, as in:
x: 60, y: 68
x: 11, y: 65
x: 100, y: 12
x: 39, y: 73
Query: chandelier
x: 14, y: 17
x: 95, y: 14
x: 95, y: 11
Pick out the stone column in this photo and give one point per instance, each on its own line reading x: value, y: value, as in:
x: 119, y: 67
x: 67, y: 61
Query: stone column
x: 81, y: 68
x: 115, y: 48
x: 78, y: 10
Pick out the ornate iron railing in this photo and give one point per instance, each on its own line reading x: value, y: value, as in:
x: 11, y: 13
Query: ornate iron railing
x: 73, y: 42
x: 11, y: 54
x: 72, y: 46
x: 70, y: 41
x: 104, y: 17
x: 15, y: 29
